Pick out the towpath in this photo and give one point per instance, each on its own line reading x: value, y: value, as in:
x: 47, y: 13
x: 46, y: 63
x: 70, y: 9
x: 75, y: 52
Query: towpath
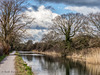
x: 7, y: 65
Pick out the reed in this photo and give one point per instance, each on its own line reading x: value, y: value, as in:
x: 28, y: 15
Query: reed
x: 90, y: 55
x: 94, y: 56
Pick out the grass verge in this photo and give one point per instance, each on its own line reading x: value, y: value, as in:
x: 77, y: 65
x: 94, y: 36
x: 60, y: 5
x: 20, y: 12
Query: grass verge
x: 2, y: 57
x: 21, y: 67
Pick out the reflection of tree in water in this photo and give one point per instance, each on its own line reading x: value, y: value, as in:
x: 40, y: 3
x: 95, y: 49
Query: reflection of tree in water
x: 74, y: 67
x: 27, y: 57
x: 50, y: 64
x: 59, y: 66
x: 53, y: 65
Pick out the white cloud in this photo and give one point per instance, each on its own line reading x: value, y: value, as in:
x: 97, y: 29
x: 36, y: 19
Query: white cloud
x: 43, y: 18
x: 83, y: 9
x: 35, y: 34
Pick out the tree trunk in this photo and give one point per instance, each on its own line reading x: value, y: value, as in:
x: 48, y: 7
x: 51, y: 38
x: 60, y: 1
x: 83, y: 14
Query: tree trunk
x: 6, y: 47
x: 67, y: 46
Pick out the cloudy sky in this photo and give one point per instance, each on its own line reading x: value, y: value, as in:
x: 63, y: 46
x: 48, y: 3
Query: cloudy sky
x: 45, y: 10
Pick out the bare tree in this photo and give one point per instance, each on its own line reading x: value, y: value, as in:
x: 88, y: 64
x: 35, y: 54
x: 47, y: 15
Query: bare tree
x: 50, y: 36
x: 94, y: 23
x: 68, y: 25
x: 29, y: 45
x: 11, y: 21
x: 49, y: 39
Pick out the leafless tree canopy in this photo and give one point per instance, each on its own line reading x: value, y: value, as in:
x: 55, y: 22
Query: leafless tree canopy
x: 68, y: 24
x: 11, y: 20
x: 50, y: 36
x: 94, y: 23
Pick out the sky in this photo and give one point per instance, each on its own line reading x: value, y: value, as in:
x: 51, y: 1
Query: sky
x: 45, y: 10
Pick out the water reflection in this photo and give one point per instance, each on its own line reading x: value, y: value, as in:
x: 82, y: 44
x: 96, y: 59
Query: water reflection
x: 46, y: 65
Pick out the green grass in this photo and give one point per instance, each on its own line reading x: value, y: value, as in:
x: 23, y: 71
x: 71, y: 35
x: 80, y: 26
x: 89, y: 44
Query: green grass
x: 21, y: 67
x: 16, y: 53
x: 2, y: 57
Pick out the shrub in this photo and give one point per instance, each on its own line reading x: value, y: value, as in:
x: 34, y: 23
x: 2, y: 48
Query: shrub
x: 81, y: 41
x: 94, y: 42
x: 1, y: 49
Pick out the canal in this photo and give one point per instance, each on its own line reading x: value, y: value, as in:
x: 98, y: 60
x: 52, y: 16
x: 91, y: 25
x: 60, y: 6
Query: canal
x: 48, y: 65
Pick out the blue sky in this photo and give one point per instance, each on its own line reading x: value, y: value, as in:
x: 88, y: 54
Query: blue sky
x: 58, y: 8
x: 45, y: 10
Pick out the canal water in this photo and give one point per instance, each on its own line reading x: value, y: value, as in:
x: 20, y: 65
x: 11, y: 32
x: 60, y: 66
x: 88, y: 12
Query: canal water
x: 47, y: 65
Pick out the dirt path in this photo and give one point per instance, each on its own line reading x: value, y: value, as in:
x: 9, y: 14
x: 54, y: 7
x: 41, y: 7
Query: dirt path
x: 7, y: 65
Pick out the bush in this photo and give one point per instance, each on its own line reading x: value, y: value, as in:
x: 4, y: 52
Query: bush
x: 1, y: 52
x: 1, y: 49
x: 94, y: 42
x: 81, y: 41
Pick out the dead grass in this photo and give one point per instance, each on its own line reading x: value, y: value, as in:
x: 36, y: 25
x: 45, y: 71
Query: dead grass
x: 94, y: 56
x: 54, y: 54
x: 90, y: 56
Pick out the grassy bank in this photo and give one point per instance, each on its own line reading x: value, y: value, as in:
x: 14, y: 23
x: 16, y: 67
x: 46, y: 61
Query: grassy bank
x: 21, y: 67
x: 2, y: 57
x: 90, y: 55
